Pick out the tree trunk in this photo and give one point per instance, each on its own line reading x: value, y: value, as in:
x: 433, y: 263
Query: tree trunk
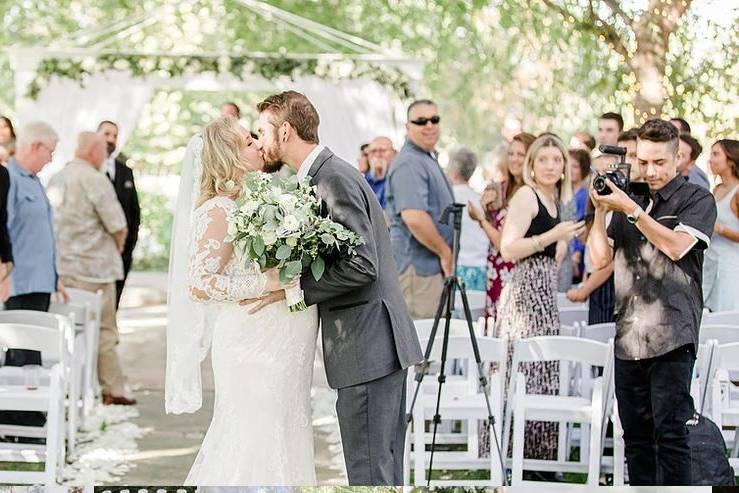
x: 648, y: 64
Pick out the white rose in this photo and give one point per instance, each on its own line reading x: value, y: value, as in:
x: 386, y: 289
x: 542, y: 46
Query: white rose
x: 290, y: 223
x: 288, y: 201
x: 249, y: 207
x: 291, y: 241
x: 270, y: 237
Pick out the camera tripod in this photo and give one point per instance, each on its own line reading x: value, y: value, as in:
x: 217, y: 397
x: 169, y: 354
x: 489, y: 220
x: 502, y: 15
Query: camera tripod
x: 445, y: 310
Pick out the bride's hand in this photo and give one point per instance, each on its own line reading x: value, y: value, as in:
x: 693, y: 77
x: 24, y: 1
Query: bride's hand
x: 268, y: 299
x: 273, y: 280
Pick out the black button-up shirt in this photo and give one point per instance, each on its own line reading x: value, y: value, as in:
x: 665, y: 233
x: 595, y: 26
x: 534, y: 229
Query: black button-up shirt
x: 659, y: 301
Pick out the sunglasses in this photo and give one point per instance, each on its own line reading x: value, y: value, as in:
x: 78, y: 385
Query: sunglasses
x: 423, y: 121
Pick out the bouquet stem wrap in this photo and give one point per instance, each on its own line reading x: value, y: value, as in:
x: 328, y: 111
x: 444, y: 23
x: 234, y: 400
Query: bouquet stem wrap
x: 295, y: 299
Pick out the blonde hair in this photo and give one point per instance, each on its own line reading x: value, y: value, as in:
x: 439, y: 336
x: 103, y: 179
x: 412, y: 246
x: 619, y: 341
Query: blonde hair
x: 563, y: 185
x: 223, y: 169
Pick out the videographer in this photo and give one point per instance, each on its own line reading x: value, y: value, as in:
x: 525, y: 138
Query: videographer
x: 658, y: 250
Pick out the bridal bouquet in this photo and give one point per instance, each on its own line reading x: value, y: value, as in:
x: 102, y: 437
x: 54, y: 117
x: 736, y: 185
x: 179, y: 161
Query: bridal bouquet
x: 277, y: 223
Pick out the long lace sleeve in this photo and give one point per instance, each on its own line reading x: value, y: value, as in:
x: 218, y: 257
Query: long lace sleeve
x: 207, y: 279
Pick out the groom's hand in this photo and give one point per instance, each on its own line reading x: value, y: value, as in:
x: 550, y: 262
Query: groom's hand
x: 268, y: 299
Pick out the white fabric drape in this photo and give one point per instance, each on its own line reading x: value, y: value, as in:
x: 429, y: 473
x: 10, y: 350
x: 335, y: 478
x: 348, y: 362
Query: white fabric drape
x: 352, y: 111
x: 70, y: 109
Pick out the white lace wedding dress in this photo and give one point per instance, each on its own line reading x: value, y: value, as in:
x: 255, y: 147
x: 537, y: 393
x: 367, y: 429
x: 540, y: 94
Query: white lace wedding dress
x: 261, y: 432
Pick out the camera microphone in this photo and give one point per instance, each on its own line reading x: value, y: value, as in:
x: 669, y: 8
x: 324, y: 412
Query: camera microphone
x: 617, y: 150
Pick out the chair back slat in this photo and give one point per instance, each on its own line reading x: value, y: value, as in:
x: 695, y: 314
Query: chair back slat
x: 561, y: 348
x: 722, y: 333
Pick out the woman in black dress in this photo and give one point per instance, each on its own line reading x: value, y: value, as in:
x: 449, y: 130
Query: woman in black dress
x: 532, y: 235
x: 6, y: 252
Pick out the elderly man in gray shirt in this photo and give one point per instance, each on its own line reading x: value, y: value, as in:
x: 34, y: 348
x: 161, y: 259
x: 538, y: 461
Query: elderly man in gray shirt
x: 418, y: 191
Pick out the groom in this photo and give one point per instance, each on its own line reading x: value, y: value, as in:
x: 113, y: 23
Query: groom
x: 368, y: 337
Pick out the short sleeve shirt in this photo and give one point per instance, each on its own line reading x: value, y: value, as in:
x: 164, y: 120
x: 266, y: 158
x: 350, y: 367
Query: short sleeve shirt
x: 86, y: 214
x: 416, y: 181
x: 659, y: 301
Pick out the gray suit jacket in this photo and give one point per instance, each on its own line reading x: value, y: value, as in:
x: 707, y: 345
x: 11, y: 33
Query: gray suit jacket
x: 367, y: 332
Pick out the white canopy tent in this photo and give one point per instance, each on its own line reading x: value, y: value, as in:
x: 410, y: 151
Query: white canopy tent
x: 352, y: 110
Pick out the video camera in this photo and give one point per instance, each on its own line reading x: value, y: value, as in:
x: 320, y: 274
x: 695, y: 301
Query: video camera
x: 619, y: 173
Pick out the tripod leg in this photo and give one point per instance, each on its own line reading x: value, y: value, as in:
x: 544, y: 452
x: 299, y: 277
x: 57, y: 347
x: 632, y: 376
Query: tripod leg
x: 481, y: 375
x: 427, y: 353
x: 442, y: 376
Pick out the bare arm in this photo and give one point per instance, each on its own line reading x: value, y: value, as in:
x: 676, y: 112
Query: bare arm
x: 493, y: 233
x: 523, y: 208
x: 601, y: 252
x: 423, y: 229
x: 120, y: 239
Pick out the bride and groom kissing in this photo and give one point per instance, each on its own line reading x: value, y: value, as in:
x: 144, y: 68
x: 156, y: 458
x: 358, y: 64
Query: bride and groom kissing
x: 262, y: 354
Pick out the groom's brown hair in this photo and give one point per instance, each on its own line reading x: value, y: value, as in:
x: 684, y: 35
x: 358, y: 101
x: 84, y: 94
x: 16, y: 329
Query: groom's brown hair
x: 296, y: 109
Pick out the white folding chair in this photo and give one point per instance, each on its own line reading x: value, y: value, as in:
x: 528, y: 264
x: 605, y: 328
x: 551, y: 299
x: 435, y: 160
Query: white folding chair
x: 87, y: 332
x: 476, y: 300
x: 563, y: 302
x: 56, y: 347
x: 725, y: 397
x: 94, y: 302
x: 74, y: 393
x: 571, y: 315
x: 557, y: 408
x: 721, y: 318
x: 459, y: 403
x: 50, y: 400
x: 722, y: 333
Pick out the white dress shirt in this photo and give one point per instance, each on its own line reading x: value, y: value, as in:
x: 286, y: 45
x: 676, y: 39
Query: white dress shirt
x: 309, y: 160
x: 110, y: 167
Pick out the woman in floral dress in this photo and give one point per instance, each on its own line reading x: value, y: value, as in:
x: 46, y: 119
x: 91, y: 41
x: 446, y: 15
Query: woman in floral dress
x: 495, y: 206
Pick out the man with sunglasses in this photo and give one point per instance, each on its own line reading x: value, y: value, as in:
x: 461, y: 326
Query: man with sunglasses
x: 417, y: 191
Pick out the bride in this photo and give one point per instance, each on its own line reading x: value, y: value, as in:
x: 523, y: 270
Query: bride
x: 261, y: 430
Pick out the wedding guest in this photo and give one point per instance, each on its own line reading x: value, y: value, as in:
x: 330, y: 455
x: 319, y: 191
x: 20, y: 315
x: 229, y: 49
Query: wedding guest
x: 121, y: 175
x: 7, y: 135
x: 363, y: 160
x: 610, y: 125
x: 598, y: 287
x: 721, y: 265
x: 30, y: 222
x: 91, y: 233
x: 4, y: 156
x: 681, y: 125
x: 531, y: 236
x: 230, y: 108
x: 580, y: 175
x: 494, y: 202
x: 6, y: 251
x: 687, y: 154
x: 583, y: 141
x: 380, y: 153
x: 417, y: 193
x: 473, y: 242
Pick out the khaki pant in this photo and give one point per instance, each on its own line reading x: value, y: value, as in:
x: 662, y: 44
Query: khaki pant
x: 110, y: 374
x: 422, y: 294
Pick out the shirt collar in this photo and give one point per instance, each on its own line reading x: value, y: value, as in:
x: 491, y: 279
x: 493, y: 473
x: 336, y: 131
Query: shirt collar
x: 20, y: 169
x: 412, y: 145
x: 672, y: 186
x: 309, y: 160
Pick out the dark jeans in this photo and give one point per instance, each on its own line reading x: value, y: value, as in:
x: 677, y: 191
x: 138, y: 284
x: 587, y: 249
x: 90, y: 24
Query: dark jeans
x: 32, y: 301
x: 654, y: 403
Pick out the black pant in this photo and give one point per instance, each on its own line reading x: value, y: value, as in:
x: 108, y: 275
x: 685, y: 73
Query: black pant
x: 32, y: 301
x: 127, y: 261
x: 654, y: 403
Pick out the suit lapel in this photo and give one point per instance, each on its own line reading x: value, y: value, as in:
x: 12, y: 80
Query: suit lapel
x: 323, y: 156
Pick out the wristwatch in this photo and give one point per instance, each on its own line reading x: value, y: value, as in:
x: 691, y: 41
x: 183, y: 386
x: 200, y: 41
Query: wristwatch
x: 634, y: 216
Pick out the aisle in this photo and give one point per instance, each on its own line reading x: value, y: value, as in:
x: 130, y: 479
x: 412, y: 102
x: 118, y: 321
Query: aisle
x: 166, y: 452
